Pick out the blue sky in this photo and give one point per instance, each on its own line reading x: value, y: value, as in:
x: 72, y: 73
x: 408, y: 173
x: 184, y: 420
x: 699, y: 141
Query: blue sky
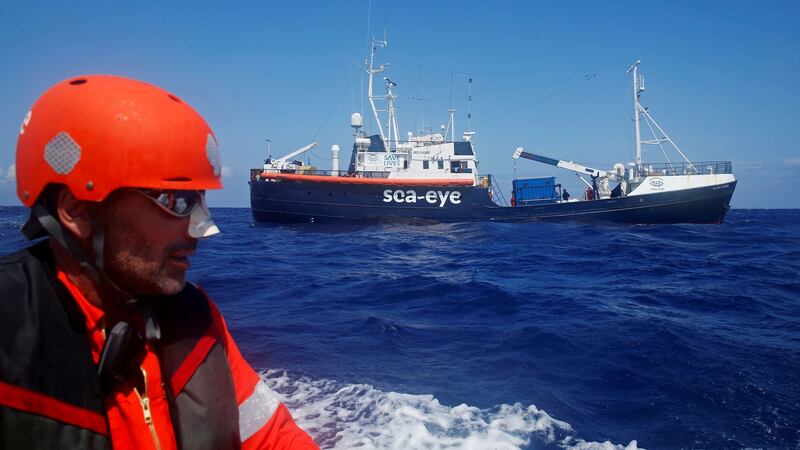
x: 721, y: 77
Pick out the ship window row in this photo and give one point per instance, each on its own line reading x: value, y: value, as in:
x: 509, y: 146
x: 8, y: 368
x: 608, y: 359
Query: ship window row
x: 439, y: 165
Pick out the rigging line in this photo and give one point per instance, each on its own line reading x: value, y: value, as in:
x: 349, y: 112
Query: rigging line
x: 341, y: 97
x: 461, y: 72
x: 369, y: 24
x: 416, y: 103
x: 537, y: 100
x: 495, y: 91
x: 352, y: 99
x: 450, y: 105
x: 361, y: 91
x: 361, y: 71
x: 656, y: 138
x: 369, y: 46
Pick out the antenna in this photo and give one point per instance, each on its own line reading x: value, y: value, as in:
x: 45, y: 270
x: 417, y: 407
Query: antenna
x: 452, y: 124
x: 636, y: 117
x: 469, y: 100
x: 634, y: 65
x: 269, y: 149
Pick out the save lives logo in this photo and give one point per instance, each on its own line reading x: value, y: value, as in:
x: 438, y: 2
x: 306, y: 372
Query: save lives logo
x: 439, y: 198
x: 391, y: 160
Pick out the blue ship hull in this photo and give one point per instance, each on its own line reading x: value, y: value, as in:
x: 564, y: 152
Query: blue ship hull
x: 300, y: 201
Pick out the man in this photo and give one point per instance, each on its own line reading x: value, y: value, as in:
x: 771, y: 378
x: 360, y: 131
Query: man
x: 103, y: 343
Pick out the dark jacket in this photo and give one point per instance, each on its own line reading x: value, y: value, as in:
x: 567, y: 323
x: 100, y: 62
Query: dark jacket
x: 50, y: 394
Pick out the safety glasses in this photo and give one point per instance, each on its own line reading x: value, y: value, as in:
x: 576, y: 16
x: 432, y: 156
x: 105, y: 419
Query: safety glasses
x: 179, y: 203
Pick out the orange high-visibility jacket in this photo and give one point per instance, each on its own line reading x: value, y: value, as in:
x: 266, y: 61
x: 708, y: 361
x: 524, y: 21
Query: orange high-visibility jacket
x: 197, y: 391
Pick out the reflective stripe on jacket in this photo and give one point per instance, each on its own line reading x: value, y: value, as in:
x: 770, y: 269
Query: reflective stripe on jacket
x: 50, y: 396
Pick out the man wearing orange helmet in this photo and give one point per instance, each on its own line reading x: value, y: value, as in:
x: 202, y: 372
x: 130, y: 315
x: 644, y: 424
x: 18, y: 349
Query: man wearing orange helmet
x: 103, y: 343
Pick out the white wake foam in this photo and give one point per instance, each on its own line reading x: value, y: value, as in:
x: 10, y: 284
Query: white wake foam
x: 344, y: 416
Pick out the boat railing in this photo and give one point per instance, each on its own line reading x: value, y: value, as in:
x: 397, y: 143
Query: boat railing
x: 255, y: 174
x: 339, y: 173
x: 685, y: 168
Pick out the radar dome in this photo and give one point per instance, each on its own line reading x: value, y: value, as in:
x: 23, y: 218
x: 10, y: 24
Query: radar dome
x: 356, y: 121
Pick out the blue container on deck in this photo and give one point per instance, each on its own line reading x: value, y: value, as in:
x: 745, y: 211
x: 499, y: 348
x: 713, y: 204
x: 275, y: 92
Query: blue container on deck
x: 535, y: 191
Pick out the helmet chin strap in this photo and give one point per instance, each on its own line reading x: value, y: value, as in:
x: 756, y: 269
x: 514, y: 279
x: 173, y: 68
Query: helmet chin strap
x: 95, y: 268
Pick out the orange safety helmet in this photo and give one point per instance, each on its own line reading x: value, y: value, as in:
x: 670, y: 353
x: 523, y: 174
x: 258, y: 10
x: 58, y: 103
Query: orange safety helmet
x: 98, y: 133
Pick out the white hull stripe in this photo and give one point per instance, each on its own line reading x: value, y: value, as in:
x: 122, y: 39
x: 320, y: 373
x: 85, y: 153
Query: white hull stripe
x: 256, y: 411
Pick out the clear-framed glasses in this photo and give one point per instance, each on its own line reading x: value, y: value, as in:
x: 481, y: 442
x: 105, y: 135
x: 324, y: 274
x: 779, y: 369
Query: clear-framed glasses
x: 184, y: 203
x: 179, y: 203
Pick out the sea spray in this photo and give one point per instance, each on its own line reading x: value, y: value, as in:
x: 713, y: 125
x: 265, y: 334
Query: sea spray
x: 347, y: 416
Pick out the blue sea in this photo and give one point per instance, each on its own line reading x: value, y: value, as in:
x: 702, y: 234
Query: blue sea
x: 539, y: 335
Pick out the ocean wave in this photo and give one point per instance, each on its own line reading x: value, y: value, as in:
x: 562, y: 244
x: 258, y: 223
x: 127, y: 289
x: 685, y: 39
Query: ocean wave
x: 345, y: 416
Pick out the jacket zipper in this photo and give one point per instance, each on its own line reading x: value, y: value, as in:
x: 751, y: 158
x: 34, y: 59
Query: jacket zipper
x: 148, y: 416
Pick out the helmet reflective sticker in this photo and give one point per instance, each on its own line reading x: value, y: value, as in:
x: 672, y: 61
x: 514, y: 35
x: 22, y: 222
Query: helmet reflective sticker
x: 25, y: 122
x: 62, y: 153
x: 212, y: 153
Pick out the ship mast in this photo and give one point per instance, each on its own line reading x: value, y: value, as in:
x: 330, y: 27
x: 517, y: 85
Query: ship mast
x: 390, y: 137
x: 392, y: 124
x: 372, y: 71
x: 638, y: 110
x: 638, y: 88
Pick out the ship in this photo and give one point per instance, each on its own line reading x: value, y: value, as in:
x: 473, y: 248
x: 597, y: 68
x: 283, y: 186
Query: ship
x: 434, y: 178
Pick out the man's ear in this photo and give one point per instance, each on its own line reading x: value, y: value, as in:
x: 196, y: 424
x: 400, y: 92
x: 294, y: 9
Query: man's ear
x: 74, y: 214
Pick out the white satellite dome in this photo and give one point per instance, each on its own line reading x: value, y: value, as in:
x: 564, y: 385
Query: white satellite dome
x: 356, y: 121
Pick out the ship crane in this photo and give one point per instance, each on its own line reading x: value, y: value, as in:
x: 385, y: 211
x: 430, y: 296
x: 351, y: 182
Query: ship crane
x: 600, y: 178
x: 284, y: 161
x: 616, y: 175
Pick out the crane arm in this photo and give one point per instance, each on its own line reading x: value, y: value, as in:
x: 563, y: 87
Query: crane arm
x: 568, y: 165
x: 280, y: 162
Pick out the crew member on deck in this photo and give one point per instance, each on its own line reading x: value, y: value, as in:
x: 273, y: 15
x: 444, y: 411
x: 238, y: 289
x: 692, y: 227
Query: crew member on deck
x: 103, y: 343
x: 565, y: 196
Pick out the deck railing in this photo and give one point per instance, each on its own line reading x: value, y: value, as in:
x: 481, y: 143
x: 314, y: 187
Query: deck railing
x: 255, y: 174
x: 684, y: 168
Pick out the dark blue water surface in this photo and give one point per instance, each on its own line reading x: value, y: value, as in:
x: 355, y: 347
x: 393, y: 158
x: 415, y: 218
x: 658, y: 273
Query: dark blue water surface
x: 672, y: 336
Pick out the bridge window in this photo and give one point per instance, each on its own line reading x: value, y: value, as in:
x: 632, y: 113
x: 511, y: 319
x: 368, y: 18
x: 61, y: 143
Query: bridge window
x: 460, y: 167
x: 425, y: 165
x: 462, y: 148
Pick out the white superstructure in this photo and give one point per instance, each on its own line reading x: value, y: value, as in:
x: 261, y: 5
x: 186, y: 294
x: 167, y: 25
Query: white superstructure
x: 386, y: 155
x: 426, y: 156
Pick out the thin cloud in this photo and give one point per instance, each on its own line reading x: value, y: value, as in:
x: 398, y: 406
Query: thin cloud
x: 749, y: 166
x: 792, y: 161
x: 11, y: 173
x: 227, y: 171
